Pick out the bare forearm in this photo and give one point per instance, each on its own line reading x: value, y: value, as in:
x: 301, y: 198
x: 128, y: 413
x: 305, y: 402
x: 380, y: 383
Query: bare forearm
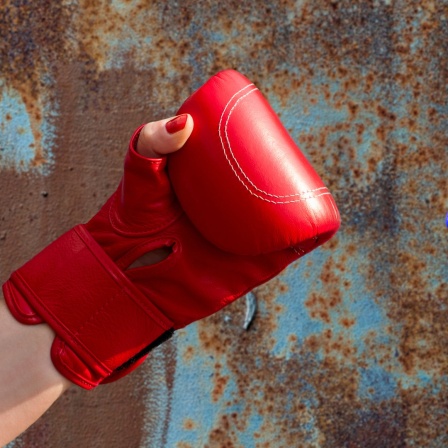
x: 29, y: 383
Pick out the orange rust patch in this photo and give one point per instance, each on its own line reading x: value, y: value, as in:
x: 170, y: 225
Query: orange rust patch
x: 347, y: 322
x: 220, y: 382
x: 189, y: 424
x: 183, y: 445
x: 28, y: 49
x: 189, y: 352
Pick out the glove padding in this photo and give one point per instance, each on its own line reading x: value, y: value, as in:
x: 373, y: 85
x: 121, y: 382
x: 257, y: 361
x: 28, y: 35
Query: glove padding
x: 240, y: 203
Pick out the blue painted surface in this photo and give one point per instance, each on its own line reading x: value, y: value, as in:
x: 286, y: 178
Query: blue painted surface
x: 16, y: 138
x: 19, y: 141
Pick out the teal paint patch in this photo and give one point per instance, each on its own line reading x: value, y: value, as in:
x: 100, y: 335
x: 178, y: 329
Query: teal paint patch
x: 20, y: 150
x: 376, y: 384
x: 17, y: 146
x: 196, y: 374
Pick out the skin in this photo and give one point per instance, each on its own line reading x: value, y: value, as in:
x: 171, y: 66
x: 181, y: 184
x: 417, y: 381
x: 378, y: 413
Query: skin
x: 29, y: 383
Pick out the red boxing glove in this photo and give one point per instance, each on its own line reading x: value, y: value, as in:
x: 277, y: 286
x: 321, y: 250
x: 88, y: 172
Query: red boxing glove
x: 238, y: 203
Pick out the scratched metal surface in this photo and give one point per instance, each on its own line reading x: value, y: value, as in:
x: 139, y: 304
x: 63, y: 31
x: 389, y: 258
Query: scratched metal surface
x: 349, y: 346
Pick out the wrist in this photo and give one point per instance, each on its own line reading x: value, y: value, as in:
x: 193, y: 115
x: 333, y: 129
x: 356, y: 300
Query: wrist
x: 29, y: 383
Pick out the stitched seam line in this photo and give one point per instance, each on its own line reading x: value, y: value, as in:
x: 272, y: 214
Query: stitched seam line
x: 238, y: 165
x: 314, y: 196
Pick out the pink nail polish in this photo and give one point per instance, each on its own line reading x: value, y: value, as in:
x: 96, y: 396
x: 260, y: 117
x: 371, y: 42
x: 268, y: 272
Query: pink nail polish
x: 176, y: 124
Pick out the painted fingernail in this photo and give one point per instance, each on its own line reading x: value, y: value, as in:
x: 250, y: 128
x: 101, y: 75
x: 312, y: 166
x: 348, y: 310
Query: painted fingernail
x: 176, y: 124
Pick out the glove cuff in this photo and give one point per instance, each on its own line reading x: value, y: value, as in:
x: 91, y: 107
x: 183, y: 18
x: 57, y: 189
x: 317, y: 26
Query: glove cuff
x: 99, y: 327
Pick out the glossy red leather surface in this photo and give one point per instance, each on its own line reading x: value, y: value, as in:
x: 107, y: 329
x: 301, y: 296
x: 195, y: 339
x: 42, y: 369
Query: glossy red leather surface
x: 261, y: 192
x: 245, y: 204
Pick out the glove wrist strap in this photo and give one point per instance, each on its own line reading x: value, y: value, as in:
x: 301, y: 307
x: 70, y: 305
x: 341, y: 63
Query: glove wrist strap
x: 100, y: 318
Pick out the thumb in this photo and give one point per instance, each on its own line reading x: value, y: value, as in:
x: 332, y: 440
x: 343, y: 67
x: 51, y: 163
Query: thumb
x: 160, y: 138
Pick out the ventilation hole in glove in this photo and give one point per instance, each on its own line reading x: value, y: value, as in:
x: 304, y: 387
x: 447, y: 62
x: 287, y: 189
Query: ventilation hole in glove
x: 153, y: 257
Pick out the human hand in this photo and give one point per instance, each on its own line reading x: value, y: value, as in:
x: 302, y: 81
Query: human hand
x: 160, y: 138
x: 228, y: 212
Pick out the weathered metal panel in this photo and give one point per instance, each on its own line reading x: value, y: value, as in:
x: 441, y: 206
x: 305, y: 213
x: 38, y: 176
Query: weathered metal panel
x: 349, y: 345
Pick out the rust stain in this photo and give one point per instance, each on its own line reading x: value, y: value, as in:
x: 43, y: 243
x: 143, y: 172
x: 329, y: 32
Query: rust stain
x: 183, y: 445
x: 282, y: 407
x: 32, y: 40
x: 401, y: 178
x: 189, y: 353
x: 189, y: 424
x: 335, y: 385
x: 327, y: 305
x: 223, y: 435
x: 220, y: 383
x: 417, y: 402
x: 376, y: 66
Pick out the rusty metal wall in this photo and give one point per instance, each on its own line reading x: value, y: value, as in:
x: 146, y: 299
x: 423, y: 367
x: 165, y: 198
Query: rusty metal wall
x: 349, y: 345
